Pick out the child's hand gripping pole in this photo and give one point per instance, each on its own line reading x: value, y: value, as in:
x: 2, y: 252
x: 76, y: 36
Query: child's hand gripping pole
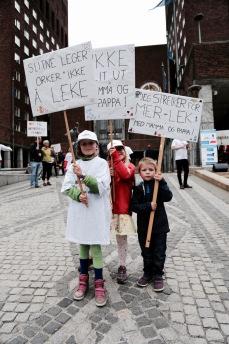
x: 155, y: 192
x: 72, y: 152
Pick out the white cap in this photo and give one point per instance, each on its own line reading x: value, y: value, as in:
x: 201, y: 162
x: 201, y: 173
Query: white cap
x: 87, y: 135
x: 116, y: 143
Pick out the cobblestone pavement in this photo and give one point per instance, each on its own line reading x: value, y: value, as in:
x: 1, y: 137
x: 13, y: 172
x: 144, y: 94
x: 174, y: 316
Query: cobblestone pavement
x: 38, y: 274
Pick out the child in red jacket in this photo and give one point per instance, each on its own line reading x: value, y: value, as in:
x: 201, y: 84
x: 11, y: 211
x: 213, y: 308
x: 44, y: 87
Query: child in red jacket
x: 122, y: 173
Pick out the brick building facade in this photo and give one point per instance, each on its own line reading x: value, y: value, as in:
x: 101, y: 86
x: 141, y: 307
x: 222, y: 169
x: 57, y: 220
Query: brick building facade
x: 27, y: 28
x: 198, y: 40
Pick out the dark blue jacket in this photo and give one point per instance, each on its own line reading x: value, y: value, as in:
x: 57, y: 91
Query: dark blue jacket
x: 141, y: 204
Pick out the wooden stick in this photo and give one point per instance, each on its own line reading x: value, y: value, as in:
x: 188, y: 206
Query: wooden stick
x: 112, y: 161
x: 37, y: 142
x: 155, y: 192
x: 71, y: 148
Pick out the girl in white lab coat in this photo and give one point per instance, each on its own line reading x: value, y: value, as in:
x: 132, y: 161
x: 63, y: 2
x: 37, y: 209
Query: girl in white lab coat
x: 89, y: 213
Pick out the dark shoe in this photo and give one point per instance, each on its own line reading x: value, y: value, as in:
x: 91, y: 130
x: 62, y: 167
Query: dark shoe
x: 181, y: 186
x: 144, y: 281
x: 37, y: 186
x: 187, y: 186
x: 100, y: 293
x: 82, y: 288
x: 122, y: 275
x: 158, y: 284
x: 48, y: 183
x: 44, y: 184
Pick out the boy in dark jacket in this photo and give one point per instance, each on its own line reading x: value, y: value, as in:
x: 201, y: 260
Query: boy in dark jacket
x: 154, y: 256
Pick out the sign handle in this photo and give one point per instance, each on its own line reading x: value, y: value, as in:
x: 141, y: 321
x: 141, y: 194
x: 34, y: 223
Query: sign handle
x: 37, y: 142
x: 155, y: 192
x: 71, y: 148
x: 112, y: 161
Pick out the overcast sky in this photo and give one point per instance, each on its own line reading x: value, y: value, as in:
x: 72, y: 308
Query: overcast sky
x: 116, y: 22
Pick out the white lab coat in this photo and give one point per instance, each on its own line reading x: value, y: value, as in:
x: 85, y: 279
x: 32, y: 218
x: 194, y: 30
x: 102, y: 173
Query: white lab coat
x: 90, y: 225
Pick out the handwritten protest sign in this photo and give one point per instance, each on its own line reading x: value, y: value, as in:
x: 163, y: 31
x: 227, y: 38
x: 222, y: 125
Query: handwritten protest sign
x: 167, y: 115
x: 36, y: 128
x: 56, y: 147
x: 114, y: 73
x: 61, y: 79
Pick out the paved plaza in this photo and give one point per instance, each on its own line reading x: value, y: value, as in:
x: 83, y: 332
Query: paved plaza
x: 38, y: 271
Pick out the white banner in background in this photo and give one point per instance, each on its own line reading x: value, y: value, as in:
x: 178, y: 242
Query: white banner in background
x: 61, y: 79
x: 36, y: 128
x: 168, y: 115
x: 114, y: 73
x: 56, y: 147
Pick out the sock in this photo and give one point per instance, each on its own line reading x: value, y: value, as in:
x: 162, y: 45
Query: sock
x: 98, y: 274
x: 84, y: 266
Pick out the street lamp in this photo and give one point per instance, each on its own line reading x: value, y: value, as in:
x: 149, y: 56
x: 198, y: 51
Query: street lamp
x: 198, y: 17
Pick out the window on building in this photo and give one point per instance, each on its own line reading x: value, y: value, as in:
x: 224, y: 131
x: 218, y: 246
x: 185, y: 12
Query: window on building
x: 26, y: 116
x: 53, y: 40
x: 34, y: 14
x: 184, y: 41
x: 41, y: 51
x: 47, y: 45
x: 17, y: 126
x: 41, y: 37
x: 17, y: 24
x: 26, y: 34
x: 34, y: 29
x: 48, y: 33
x: 17, y: 58
x: 26, y: 50
x: 17, y: 6
x: 17, y: 41
x: 17, y: 76
x: 41, y: 24
x: 17, y: 111
x: 26, y: 18
x: 26, y: 2
x: 183, y: 22
x: 57, y: 46
x: 185, y: 60
x: 26, y: 99
x: 34, y: 43
x: 17, y: 93
x: 182, y: 4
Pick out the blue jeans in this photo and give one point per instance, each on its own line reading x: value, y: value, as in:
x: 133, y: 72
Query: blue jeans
x: 36, y: 169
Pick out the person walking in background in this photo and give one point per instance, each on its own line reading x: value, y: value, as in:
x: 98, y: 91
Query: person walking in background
x: 60, y: 161
x: 154, y: 256
x: 123, y: 173
x: 89, y: 213
x: 36, y: 162
x: 3, y: 148
x: 181, y: 157
x: 47, y: 160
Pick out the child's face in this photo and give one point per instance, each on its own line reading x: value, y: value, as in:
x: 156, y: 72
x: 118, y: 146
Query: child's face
x: 88, y: 147
x: 147, y: 171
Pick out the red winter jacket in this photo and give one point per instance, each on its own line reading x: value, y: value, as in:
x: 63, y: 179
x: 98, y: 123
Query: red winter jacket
x: 124, y: 182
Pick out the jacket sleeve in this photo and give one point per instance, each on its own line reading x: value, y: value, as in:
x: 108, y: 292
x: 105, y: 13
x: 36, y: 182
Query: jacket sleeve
x: 123, y: 171
x: 164, y: 193
x: 136, y: 205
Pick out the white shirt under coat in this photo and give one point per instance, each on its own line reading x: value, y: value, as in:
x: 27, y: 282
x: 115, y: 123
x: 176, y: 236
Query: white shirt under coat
x: 90, y: 225
x: 180, y: 149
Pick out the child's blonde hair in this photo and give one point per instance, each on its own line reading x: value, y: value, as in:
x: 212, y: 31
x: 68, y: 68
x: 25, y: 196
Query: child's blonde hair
x: 148, y: 161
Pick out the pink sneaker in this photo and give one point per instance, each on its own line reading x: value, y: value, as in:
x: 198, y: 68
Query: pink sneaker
x: 82, y: 287
x: 100, y: 293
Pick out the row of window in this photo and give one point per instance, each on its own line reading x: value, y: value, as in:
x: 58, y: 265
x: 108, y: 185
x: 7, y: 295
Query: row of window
x: 26, y: 49
x: 17, y: 113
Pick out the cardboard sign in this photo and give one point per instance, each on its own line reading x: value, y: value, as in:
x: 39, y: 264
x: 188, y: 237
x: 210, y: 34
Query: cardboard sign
x: 61, y: 79
x: 167, y: 115
x: 36, y: 128
x: 114, y: 74
x: 56, y: 147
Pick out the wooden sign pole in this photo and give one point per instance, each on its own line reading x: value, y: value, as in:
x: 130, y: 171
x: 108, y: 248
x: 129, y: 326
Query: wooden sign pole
x: 155, y: 192
x: 71, y: 148
x: 112, y: 161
